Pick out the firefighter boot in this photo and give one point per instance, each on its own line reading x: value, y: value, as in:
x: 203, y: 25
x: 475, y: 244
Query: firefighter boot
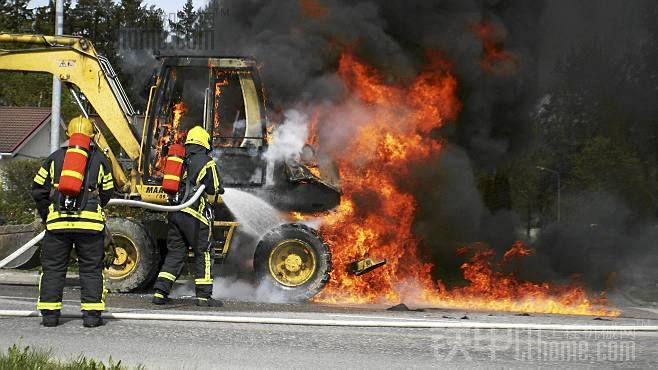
x: 208, y: 302
x: 91, y: 319
x: 50, y: 318
x: 159, y: 298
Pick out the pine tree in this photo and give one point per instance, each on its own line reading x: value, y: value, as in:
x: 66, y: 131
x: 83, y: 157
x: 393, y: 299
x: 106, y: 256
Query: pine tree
x: 130, y: 13
x: 186, y: 21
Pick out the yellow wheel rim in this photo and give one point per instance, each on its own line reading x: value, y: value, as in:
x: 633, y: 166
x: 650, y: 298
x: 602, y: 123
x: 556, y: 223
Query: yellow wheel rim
x: 127, y: 258
x: 292, y: 262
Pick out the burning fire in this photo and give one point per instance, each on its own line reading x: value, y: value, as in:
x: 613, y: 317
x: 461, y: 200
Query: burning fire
x: 313, y: 9
x: 172, y: 133
x: 217, y: 124
x: 494, y: 56
x: 375, y: 216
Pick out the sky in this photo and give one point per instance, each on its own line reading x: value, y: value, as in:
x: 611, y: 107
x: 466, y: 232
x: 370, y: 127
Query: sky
x: 169, y: 6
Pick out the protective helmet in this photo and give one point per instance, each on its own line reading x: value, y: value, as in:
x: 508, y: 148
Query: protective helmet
x: 80, y: 125
x: 199, y: 136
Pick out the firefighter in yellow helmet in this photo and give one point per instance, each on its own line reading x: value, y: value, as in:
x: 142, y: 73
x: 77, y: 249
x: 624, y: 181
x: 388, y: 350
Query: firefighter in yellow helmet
x: 73, y: 220
x: 191, y: 226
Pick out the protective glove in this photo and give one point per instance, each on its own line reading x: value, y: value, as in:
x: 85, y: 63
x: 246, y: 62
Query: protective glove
x: 220, y: 191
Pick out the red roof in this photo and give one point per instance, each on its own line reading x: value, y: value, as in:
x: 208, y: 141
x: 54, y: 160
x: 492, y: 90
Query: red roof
x: 17, y: 124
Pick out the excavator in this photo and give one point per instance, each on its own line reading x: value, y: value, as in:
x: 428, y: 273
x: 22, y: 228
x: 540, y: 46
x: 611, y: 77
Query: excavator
x: 226, y: 96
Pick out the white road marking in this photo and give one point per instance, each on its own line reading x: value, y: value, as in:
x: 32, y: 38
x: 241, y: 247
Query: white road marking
x: 378, y: 317
x: 436, y: 324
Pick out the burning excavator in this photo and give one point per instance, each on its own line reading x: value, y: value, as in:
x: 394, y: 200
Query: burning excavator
x: 366, y: 218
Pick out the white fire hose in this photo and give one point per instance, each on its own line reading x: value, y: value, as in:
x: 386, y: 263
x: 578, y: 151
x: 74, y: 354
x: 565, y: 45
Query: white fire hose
x: 112, y: 202
x: 374, y: 322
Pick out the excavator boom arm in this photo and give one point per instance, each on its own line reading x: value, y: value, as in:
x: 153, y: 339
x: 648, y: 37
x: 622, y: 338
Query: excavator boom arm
x: 73, y: 60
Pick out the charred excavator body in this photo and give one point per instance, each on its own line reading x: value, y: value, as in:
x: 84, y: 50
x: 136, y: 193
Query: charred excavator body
x: 226, y: 96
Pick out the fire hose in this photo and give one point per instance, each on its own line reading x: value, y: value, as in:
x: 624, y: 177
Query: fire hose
x: 341, y: 322
x: 112, y: 202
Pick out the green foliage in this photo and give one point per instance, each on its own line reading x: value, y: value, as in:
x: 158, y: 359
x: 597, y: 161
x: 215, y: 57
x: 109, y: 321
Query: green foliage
x: 603, y: 166
x: 16, y: 203
x: 186, y: 22
x: 16, y: 16
x: 495, y: 190
x: 599, y: 133
x: 98, y: 20
x: 29, y: 358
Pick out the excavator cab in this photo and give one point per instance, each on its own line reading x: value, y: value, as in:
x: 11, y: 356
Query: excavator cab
x: 225, y: 95
x: 222, y: 95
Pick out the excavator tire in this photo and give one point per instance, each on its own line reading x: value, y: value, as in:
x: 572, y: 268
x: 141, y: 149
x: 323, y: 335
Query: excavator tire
x: 137, y: 261
x: 293, y: 261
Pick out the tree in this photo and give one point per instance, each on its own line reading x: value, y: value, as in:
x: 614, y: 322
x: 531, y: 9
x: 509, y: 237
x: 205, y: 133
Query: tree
x: 186, y: 23
x: 130, y: 12
x: 94, y: 19
x: 16, y: 16
x: 16, y: 204
x: 603, y: 166
x: 44, y: 19
x: 30, y: 89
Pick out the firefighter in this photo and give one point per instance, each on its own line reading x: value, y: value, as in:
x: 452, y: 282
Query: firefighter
x: 72, y: 220
x: 192, y: 226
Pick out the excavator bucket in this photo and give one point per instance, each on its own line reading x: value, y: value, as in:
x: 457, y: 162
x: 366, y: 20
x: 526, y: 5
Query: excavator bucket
x: 365, y: 266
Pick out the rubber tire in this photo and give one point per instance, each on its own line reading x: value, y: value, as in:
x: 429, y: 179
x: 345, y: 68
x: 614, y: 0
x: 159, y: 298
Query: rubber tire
x: 322, y: 255
x: 148, y: 265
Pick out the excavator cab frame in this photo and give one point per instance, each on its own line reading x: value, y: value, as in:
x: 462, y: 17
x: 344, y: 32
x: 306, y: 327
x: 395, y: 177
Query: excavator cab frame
x: 223, y: 95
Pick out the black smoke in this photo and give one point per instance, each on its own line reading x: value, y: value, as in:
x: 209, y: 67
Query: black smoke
x: 299, y: 43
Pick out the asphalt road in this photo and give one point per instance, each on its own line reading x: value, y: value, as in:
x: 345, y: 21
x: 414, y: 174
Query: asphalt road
x: 202, y: 345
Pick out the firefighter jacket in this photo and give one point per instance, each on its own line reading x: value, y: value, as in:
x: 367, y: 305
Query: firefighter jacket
x: 200, y: 169
x: 87, y: 215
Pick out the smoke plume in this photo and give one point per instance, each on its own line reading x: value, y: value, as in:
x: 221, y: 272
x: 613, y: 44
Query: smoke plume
x: 503, y: 53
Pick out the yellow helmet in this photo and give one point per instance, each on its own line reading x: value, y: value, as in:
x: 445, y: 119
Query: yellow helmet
x: 80, y: 125
x: 199, y: 136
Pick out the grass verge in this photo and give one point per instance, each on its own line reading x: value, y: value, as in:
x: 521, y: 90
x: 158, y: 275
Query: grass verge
x: 32, y: 359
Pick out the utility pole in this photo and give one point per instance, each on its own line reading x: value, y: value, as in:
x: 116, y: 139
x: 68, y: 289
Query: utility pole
x: 556, y: 173
x: 56, y: 105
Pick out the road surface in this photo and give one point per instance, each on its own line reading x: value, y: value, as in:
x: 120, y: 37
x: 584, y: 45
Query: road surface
x: 203, y: 345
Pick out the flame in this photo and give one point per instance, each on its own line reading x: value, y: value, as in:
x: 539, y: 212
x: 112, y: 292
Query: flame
x: 179, y: 110
x: 269, y: 132
x: 313, y: 9
x: 375, y: 215
x: 313, y: 128
x: 494, y: 58
x: 296, y: 216
x: 217, y: 129
x: 171, y: 134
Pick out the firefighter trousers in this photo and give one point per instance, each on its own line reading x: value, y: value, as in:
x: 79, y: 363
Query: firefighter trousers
x: 184, y: 231
x: 55, y: 255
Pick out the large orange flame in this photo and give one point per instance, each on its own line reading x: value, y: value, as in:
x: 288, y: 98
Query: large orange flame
x: 375, y: 215
x: 172, y: 134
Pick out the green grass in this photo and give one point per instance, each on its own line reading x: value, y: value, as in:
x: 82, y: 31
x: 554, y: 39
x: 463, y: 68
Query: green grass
x: 35, y: 359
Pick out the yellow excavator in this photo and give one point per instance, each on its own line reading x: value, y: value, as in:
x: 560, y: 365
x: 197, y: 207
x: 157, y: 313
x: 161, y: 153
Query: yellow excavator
x: 224, y: 94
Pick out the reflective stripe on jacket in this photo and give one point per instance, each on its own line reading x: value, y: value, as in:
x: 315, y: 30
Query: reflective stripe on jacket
x: 201, y: 169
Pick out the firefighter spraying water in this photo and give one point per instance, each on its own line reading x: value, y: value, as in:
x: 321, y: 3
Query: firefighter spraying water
x: 190, y: 226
